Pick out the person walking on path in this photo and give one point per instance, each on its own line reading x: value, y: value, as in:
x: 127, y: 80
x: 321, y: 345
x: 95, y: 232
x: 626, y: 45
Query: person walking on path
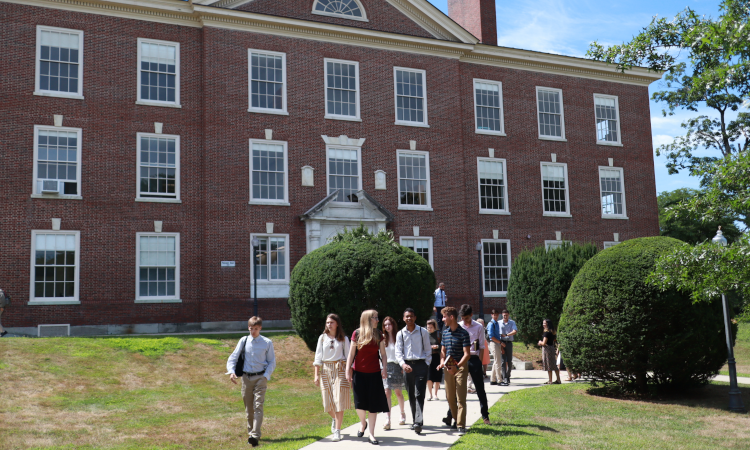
x: 365, y: 374
x: 436, y: 376
x: 454, y: 358
x: 441, y: 301
x: 478, y: 344
x: 258, y: 365
x: 547, y: 343
x: 4, y: 302
x: 395, y: 380
x: 486, y: 352
x: 508, y: 330
x: 493, y: 331
x: 330, y: 372
x: 414, y: 355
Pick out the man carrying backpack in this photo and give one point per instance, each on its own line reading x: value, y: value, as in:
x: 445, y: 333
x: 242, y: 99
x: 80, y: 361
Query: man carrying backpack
x: 4, y: 302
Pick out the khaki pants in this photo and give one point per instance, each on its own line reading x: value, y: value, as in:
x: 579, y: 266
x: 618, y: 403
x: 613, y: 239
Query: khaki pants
x: 254, y: 394
x: 455, y: 386
x: 497, y: 354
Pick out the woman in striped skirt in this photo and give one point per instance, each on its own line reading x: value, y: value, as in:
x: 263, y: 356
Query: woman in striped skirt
x: 330, y: 372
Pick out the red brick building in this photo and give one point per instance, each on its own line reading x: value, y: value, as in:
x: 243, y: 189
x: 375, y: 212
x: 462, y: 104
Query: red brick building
x: 145, y: 144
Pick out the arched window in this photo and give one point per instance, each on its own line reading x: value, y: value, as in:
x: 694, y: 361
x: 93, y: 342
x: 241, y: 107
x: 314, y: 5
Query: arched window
x: 347, y: 9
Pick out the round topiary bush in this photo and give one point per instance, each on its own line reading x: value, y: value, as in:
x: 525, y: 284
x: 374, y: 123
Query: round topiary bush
x: 355, y: 272
x: 620, y: 330
x: 539, y: 282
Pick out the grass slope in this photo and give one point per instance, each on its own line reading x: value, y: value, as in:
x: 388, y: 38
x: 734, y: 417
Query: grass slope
x: 741, y: 352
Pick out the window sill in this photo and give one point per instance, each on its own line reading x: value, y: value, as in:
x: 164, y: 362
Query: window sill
x: 552, y: 138
x: 411, y: 124
x: 161, y: 300
x: 347, y: 118
x: 414, y: 208
x: 268, y: 111
x: 616, y: 217
x: 497, y: 213
x: 339, y: 16
x: 163, y: 105
x: 556, y: 215
x: 490, y: 132
x: 609, y: 144
x: 158, y: 200
x: 495, y: 294
x: 52, y: 302
x: 57, y: 197
x: 251, y: 202
x: 58, y: 94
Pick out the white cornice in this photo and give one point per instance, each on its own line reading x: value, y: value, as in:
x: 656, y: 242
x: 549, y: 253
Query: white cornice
x: 433, y: 20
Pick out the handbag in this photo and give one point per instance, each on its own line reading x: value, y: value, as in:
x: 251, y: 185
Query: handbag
x: 239, y: 368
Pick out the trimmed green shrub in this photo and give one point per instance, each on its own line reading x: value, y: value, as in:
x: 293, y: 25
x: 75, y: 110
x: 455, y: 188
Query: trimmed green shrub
x: 355, y: 272
x: 539, y: 282
x: 622, y: 331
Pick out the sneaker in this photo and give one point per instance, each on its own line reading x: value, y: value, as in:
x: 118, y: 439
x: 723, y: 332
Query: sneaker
x: 461, y: 431
x: 336, y: 435
x: 252, y: 441
x: 333, y: 426
x: 447, y: 421
x: 502, y: 384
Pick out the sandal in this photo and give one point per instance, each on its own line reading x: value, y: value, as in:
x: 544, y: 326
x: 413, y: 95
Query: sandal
x: 403, y: 419
x: 387, y: 426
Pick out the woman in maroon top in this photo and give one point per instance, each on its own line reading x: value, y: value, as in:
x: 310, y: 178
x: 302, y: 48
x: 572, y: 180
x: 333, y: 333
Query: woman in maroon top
x: 365, y: 373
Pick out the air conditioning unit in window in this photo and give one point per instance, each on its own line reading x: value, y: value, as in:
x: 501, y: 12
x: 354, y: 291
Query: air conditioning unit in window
x: 51, y: 186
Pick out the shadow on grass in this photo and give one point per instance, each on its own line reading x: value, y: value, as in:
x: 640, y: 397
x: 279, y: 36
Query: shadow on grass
x: 492, y: 429
x: 712, y: 396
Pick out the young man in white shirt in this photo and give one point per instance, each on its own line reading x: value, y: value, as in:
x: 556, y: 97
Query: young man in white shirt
x: 414, y: 355
x: 508, y: 330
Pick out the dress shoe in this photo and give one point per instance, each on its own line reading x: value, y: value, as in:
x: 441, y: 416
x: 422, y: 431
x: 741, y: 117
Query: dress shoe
x: 454, y: 427
x: 493, y: 383
x: 252, y: 441
x: 418, y: 429
x: 373, y: 441
x: 447, y: 421
x: 362, y: 433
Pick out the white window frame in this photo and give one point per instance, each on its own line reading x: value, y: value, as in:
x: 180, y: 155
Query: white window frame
x: 34, y: 194
x: 510, y: 260
x: 76, y: 299
x: 609, y: 244
x: 37, y: 77
x: 428, y: 206
x: 506, y: 211
x: 356, y: 118
x: 617, y: 112
x: 549, y: 243
x: 424, y: 238
x: 342, y: 16
x: 562, y: 115
x: 476, y: 108
x: 567, y: 190
x: 359, y: 168
x: 138, y: 196
x: 258, y: 201
x: 176, y: 102
x: 425, y: 123
x: 283, y: 111
x: 271, y: 288
x: 176, y: 298
x: 624, y: 214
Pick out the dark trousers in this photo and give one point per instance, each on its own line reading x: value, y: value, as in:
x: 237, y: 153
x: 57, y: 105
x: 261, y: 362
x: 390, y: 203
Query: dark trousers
x: 416, y: 386
x: 439, y: 318
x: 506, y: 361
x: 477, y: 376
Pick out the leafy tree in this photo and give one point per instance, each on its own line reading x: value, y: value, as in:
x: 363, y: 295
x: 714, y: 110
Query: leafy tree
x: 716, y: 75
x: 690, y: 228
x: 622, y: 331
x: 357, y: 271
x: 539, y: 282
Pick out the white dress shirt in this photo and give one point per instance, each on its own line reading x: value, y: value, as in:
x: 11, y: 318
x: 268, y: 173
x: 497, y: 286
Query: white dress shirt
x: 330, y: 349
x: 476, y: 333
x: 413, y: 345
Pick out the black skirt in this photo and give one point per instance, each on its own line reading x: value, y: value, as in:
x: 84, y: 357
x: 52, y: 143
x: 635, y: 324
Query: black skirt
x: 368, y: 392
x: 436, y: 376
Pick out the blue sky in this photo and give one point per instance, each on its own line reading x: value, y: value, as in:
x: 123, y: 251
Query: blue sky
x: 568, y: 26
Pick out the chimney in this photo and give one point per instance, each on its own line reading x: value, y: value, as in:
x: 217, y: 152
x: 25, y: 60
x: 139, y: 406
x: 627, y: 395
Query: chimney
x: 478, y: 17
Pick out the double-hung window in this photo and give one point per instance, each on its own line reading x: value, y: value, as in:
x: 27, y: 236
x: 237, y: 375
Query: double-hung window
x: 271, y: 260
x: 414, y: 180
x: 411, y: 96
x: 555, y: 189
x: 267, y: 82
x: 158, y: 73
x: 607, y: 113
x: 158, y: 167
x: 549, y: 103
x: 59, y: 62
x: 495, y: 266
x: 55, y: 267
x: 488, y: 107
x: 344, y: 173
x: 342, y: 89
x: 421, y: 245
x: 551, y: 245
x: 57, y: 162
x: 612, y: 192
x: 268, y: 172
x: 158, y: 267
x: 493, y: 190
x: 608, y: 244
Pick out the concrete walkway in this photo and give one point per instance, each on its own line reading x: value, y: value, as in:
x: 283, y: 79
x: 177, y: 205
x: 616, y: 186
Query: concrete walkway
x: 434, y: 434
x: 725, y: 378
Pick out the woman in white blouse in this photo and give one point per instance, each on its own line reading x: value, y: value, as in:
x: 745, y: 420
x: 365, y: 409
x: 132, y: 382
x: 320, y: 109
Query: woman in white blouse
x: 330, y: 372
x: 395, y: 381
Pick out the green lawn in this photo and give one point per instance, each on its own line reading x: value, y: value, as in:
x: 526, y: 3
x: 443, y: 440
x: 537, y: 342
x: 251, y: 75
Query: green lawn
x: 741, y: 352
x: 567, y: 417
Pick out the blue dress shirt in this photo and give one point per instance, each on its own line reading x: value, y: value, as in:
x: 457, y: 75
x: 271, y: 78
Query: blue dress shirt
x: 259, y: 356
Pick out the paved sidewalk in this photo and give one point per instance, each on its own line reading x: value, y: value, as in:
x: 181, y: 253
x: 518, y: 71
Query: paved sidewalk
x: 725, y: 378
x: 434, y: 434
